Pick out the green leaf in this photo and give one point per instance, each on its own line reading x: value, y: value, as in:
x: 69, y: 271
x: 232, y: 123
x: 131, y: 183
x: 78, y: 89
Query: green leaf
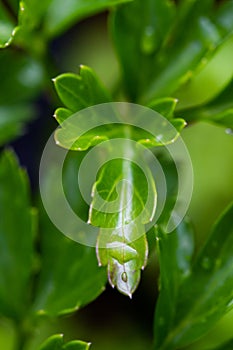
x: 80, y: 91
x: 206, y: 293
x: 127, y: 202
x: 61, y: 114
x: 12, y: 121
x: 169, y: 170
x: 70, y: 277
x: 17, y: 225
x: 175, y: 252
x: 205, y: 30
x: 139, y: 30
x: 56, y: 342
x: 121, y: 183
x: 6, y: 27
x: 67, y: 137
x: 76, y: 345
x: 228, y: 345
x: 123, y: 257
x: 165, y: 106
x: 219, y: 110
x: 72, y: 133
x: 188, y: 12
x: 32, y: 12
x: 156, y: 55
x: 21, y: 79
x: 85, y: 90
x: 59, y: 17
x: 28, y: 34
x: 40, y: 21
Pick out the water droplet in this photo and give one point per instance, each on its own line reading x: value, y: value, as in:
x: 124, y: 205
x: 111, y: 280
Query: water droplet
x: 229, y: 131
x: 124, y: 277
x: 148, y: 41
x: 206, y: 263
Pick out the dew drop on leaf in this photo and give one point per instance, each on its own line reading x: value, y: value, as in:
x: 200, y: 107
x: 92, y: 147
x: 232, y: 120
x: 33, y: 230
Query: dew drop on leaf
x: 124, y: 277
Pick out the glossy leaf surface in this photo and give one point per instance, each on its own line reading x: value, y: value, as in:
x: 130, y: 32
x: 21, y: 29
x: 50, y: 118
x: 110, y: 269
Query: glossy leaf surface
x: 85, y: 90
x: 219, y: 110
x: 121, y: 193
x: 51, y: 17
x: 127, y: 202
x: 71, y: 135
x: 137, y: 41
x: 21, y: 79
x: 80, y: 91
x: 206, y: 293
x: 6, y: 27
x: 60, y: 17
x: 206, y: 29
x: 156, y: 54
x: 165, y: 106
x: 17, y: 224
x: 175, y: 252
x: 56, y: 342
x: 70, y: 277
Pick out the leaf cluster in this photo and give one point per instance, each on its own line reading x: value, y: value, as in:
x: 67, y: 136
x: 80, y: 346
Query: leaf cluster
x: 161, y: 46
